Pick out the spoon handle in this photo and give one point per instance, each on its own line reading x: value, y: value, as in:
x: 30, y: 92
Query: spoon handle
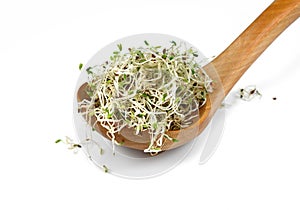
x: 233, y: 62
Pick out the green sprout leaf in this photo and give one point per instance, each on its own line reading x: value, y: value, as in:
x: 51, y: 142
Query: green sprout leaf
x: 92, y: 113
x: 57, y: 141
x: 77, y: 145
x: 173, y: 42
x: 109, y: 115
x: 120, y: 47
x: 90, y: 93
x: 146, y: 43
x: 121, y: 143
x: 145, y: 95
x: 89, y: 70
x: 164, y: 97
x: 80, y: 66
x: 175, y: 140
x: 155, y: 126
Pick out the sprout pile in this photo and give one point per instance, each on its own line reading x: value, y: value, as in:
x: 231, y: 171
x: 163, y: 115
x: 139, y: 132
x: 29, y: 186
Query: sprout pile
x: 150, y: 89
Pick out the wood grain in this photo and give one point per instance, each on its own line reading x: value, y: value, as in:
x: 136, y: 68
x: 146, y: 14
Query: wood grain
x: 233, y: 62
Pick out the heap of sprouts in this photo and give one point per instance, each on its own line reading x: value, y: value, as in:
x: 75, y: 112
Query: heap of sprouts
x: 150, y: 89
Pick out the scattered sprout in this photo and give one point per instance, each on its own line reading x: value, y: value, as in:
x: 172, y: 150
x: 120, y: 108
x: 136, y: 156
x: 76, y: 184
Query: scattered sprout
x: 58, y: 140
x: 70, y: 143
x: 80, y: 66
x: 101, y: 151
x: 76, y: 145
x: 248, y: 93
x: 105, y: 168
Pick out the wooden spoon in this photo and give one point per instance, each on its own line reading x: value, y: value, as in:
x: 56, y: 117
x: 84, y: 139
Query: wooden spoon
x: 227, y: 68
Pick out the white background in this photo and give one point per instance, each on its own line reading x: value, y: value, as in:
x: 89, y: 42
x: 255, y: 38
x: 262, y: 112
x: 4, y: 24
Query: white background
x: 41, y: 44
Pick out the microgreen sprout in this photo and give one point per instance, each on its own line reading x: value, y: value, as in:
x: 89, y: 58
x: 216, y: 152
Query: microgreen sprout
x: 105, y: 169
x: 70, y: 143
x: 174, y: 43
x: 120, y: 47
x: 101, y: 151
x: 58, y: 140
x: 248, y: 93
x: 88, y: 70
x: 149, y: 89
x: 80, y: 66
